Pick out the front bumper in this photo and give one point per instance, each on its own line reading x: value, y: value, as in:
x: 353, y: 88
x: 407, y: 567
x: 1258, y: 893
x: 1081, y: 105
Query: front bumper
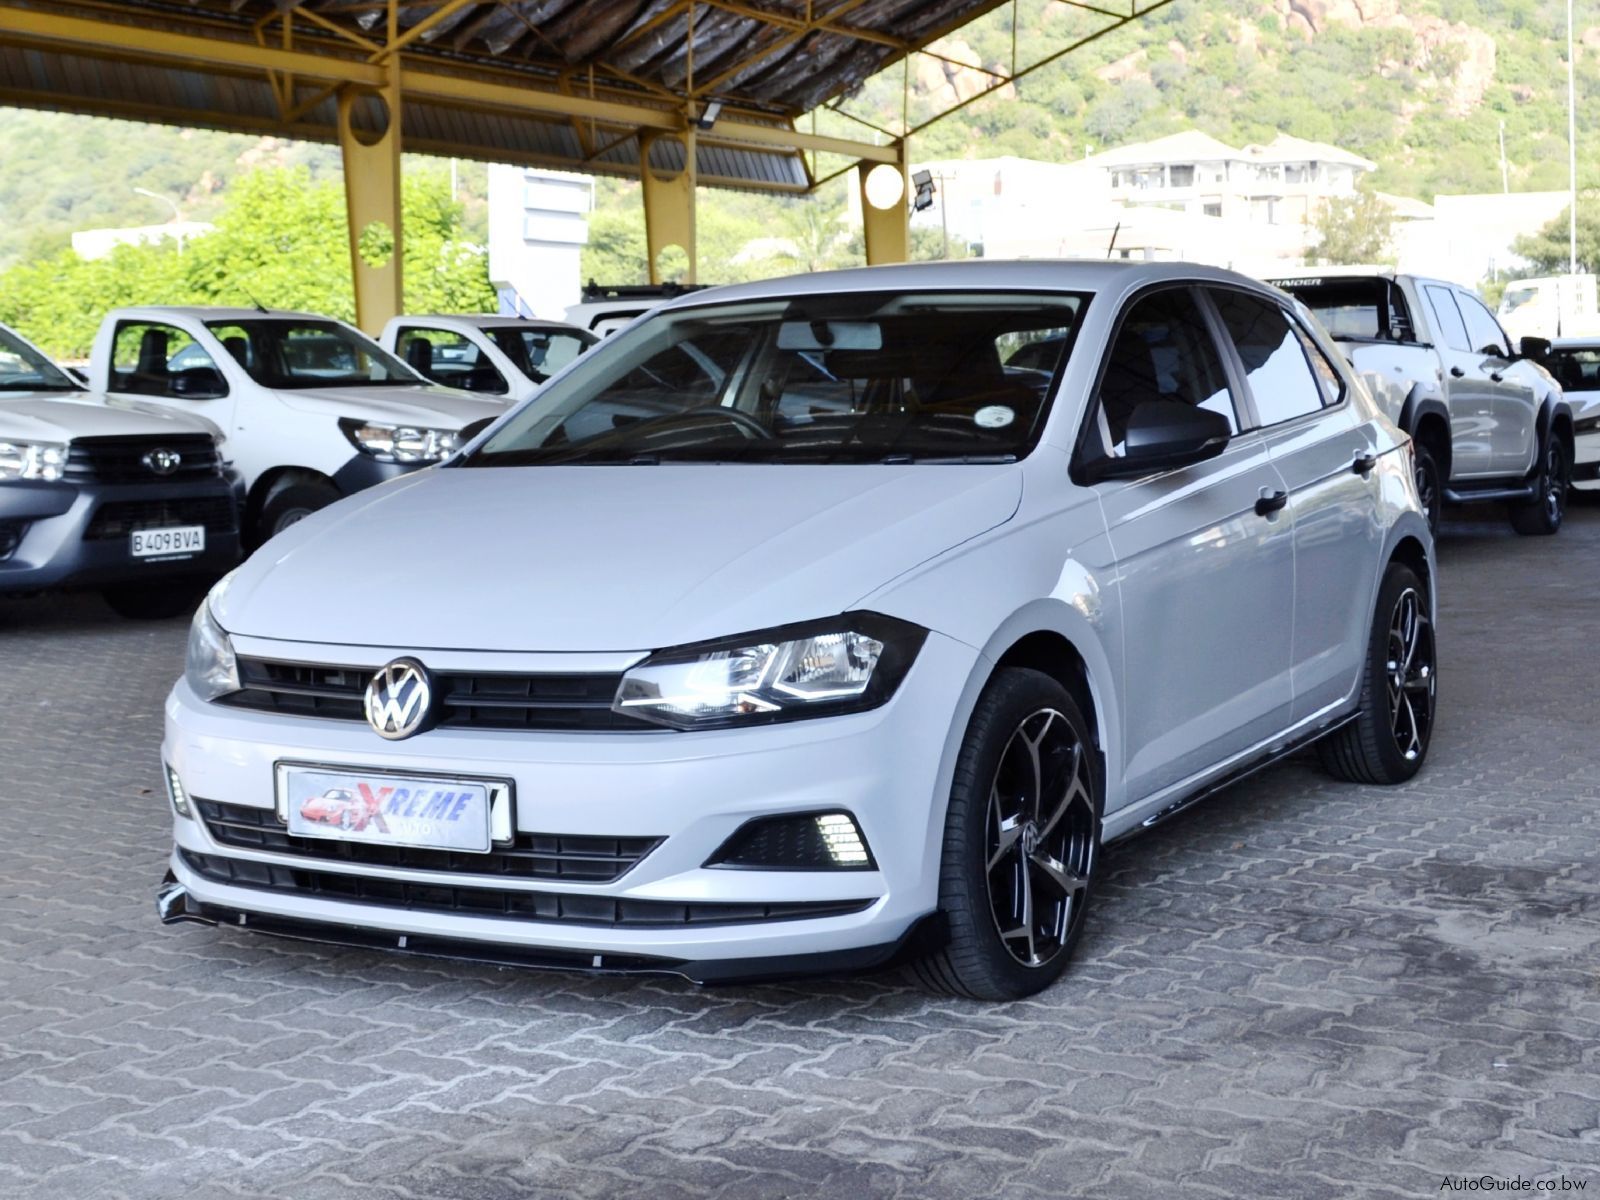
x: 691, y: 790
x: 55, y: 518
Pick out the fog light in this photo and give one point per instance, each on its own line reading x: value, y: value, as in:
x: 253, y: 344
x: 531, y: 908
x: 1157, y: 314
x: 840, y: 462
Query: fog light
x: 11, y: 537
x: 176, y: 794
x: 797, y: 842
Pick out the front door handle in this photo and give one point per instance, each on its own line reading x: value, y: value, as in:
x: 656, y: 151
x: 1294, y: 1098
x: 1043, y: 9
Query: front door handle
x: 1458, y: 372
x: 1270, y: 502
x: 1362, y: 464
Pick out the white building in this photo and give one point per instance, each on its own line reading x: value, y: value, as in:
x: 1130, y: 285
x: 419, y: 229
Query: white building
x: 1469, y: 238
x: 538, y: 226
x: 97, y: 243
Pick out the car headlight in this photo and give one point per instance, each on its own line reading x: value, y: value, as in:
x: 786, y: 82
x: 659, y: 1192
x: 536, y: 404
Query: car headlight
x: 842, y: 664
x: 210, y: 665
x: 33, y: 460
x: 401, y: 443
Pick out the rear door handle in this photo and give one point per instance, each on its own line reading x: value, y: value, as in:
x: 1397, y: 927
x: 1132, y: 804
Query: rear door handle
x: 1362, y: 464
x: 1270, y: 502
x: 1458, y: 372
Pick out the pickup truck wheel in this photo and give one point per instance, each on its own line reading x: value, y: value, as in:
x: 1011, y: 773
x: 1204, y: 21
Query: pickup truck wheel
x: 294, y: 503
x: 1021, y: 843
x: 1388, y: 740
x: 1430, y: 488
x: 158, y: 600
x: 1544, y: 514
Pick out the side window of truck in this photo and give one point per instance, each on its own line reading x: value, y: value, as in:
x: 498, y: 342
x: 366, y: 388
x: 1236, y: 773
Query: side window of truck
x: 153, y: 359
x: 1483, y: 331
x: 1447, y: 318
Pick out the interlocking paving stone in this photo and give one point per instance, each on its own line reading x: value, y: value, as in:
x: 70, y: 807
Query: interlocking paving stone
x: 1299, y: 988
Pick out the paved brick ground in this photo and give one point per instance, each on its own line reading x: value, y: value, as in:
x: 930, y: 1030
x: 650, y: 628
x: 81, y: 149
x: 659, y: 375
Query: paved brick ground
x: 1299, y: 989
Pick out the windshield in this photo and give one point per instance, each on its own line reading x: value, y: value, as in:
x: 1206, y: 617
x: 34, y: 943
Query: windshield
x: 24, y: 369
x: 1355, y: 308
x: 309, y: 354
x: 540, y: 353
x: 1515, y: 298
x: 874, y: 377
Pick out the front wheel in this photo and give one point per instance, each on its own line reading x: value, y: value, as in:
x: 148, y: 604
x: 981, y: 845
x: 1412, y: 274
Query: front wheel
x: 1388, y: 740
x: 1021, y: 844
x: 1543, y: 515
x: 290, y: 505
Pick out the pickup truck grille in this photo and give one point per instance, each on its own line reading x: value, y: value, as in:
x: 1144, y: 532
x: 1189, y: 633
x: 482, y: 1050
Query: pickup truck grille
x: 118, y: 518
x: 465, y: 700
x: 122, y: 459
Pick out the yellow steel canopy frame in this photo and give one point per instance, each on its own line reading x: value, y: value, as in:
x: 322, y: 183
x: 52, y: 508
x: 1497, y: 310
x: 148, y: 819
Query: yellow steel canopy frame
x: 327, y: 75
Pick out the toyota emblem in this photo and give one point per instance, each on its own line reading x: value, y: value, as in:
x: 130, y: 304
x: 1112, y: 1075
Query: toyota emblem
x: 399, y: 699
x: 163, y: 461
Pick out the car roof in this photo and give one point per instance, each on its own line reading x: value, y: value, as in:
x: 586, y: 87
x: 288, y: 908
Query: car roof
x: 1575, y: 343
x: 485, y: 321
x: 201, y: 312
x: 1031, y: 274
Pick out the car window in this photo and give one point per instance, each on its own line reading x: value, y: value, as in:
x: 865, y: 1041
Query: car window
x: 450, y: 358
x: 1483, y: 331
x: 150, y: 358
x: 24, y: 369
x: 1358, y: 308
x: 1276, y: 368
x: 1163, y: 351
x: 1328, y: 377
x: 294, y: 353
x: 871, y: 378
x: 1577, y: 369
x: 1447, y: 317
x: 540, y: 353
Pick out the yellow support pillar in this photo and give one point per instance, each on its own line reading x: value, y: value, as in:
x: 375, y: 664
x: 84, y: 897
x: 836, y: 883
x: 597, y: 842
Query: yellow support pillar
x: 884, y: 215
x: 669, y: 208
x: 372, y: 205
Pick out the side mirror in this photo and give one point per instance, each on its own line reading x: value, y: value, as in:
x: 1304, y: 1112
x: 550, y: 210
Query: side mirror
x: 199, y: 383
x: 1535, y: 347
x: 1163, y: 434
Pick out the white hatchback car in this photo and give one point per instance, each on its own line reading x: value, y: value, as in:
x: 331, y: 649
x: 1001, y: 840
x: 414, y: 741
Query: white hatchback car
x: 812, y: 622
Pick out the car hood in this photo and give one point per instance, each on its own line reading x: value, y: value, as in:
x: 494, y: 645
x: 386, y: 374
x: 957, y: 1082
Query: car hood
x: 433, y: 408
x: 62, y: 416
x: 605, y: 558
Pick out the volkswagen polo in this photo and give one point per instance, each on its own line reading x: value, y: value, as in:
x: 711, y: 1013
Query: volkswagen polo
x: 877, y: 604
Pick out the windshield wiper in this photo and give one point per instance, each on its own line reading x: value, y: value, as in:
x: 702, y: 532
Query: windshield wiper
x: 900, y: 460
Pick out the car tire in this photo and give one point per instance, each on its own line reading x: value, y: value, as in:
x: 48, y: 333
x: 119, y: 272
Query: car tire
x: 158, y: 600
x: 1023, y: 826
x: 1543, y: 515
x: 288, y: 505
x: 1388, y: 739
x: 1430, y: 486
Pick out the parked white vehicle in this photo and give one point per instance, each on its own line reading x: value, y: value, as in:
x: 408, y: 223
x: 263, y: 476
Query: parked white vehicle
x: 919, y: 584
x: 485, y: 354
x: 1489, y: 422
x: 1551, y: 306
x: 312, y: 409
x: 604, y: 310
x: 1575, y: 363
x: 131, y: 499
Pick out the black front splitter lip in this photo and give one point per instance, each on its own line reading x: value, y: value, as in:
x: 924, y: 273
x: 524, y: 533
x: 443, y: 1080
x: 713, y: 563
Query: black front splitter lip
x: 175, y: 905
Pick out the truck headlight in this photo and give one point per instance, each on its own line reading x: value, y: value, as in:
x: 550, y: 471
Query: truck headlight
x: 46, y: 461
x: 842, y: 664
x: 401, y: 443
x: 210, y: 665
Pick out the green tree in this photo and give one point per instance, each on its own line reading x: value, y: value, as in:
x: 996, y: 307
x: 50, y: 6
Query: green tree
x: 1548, y: 251
x: 1355, y: 229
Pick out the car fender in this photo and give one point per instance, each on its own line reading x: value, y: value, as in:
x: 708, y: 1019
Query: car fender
x: 1554, y: 405
x: 1422, y: 401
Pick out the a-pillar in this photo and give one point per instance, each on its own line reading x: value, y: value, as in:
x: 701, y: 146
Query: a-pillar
x: 668, y: 203
x: 369, y: 139
x: 884, y: 216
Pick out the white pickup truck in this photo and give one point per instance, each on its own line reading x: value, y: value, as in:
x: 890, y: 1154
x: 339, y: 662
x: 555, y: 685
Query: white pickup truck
x: 488, y: 355
x: 1487, y: 421
x: 312, y: 409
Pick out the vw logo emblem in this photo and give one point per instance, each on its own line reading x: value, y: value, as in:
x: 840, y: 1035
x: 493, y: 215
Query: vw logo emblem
x: 399, y: 699
x: 163, y: 461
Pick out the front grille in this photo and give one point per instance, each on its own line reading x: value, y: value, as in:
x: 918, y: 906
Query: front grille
x: 119, y: 518
x: 530, y: 856
x: 609, y: 911
x: 465, y: 700
x: 121, y: 459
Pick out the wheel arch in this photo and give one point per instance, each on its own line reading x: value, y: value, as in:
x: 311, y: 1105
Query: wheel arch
x: 1409, y: 548
x: 1427, y: 420
x: 271, y: 482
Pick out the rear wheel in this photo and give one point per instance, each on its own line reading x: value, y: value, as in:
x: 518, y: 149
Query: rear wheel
x: 1430, y: 487
x: 1021, y: 845
x: 1388, y: 740
x: 1543, y: 515
x: 157, y: 600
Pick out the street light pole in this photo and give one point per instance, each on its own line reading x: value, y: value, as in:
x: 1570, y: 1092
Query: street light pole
x: 1572, y: 155
x: 177, y: 213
